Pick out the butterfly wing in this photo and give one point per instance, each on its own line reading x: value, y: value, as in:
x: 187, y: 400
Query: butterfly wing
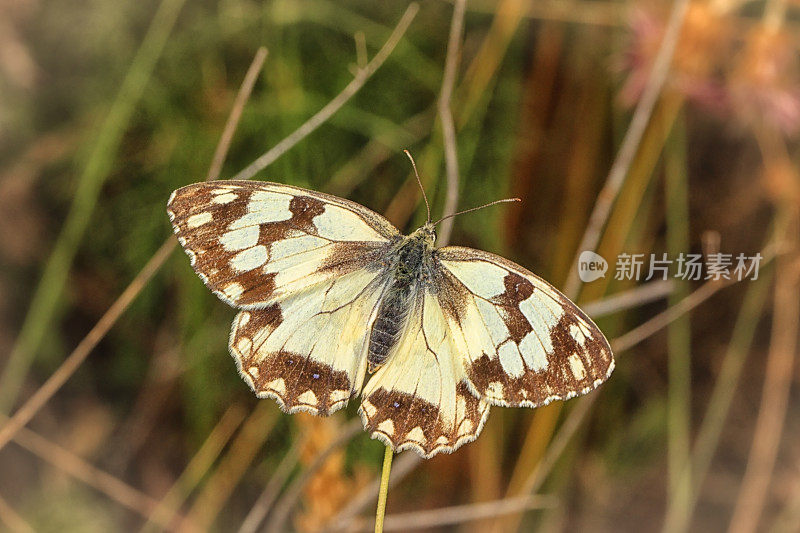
x: 308, y: 352
x: 304, y: 267
x: 420, y: 399
x: 256, y: 243
x: 523, y: 342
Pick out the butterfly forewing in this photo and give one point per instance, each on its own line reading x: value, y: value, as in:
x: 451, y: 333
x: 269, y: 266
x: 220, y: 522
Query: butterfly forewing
x: 524, y: 343
x: 254, y: 243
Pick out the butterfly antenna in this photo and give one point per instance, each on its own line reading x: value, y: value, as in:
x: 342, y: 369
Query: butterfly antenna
x: 503, y: 201
x: 425, y: 196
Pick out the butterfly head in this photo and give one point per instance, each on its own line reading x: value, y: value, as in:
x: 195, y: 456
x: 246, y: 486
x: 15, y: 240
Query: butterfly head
x: 426, y: 235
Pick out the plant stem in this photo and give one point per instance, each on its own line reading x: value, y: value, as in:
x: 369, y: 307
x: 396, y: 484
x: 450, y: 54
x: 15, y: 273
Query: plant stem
x: 384, y: 490
x: 679, y: 332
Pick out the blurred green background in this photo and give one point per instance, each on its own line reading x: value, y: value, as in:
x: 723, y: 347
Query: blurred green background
x: 107, y: 107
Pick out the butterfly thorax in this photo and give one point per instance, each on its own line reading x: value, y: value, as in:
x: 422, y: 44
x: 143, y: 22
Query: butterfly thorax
x: 408, y: 271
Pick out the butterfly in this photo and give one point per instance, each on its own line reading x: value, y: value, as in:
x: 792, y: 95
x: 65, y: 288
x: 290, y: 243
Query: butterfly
x: 334, y: 301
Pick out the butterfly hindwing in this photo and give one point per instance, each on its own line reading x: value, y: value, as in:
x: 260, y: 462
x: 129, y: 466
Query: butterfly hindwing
x: 420, y: 399
x: 308, y: 351
x: 254, y: 243
x: 524, y: 343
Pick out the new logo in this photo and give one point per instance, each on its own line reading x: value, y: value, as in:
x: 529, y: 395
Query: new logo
x: 591, y: 266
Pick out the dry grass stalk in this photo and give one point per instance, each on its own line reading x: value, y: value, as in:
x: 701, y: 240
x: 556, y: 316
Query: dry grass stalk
x: 78, y: 468
x: 616, y: 177
x: 199, y: 465
x: 777, y: 381
x: 12, y: 520
x: 446, y: 118
x: 231, y: 468
x: 403, y: 465
x: 25, y: 413
x: 285, y: 506
x: 458, y: 514
x: 328, y: 488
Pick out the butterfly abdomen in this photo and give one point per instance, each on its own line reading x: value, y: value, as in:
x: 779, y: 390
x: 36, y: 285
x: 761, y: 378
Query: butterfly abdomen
x: 388, y: 325
x: 406, y: 273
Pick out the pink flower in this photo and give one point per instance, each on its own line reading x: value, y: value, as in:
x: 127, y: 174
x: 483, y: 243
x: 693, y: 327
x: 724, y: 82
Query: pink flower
x: 764, y: 85
x: 703, y: 45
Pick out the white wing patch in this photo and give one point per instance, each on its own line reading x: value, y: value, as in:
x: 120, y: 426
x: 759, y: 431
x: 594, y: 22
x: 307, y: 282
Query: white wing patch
x: 239, y: 239
x: 249, y: 259
x: 329, y: 226
x: 198, y: 220
x: 511, y: 359
x: 542, y: 319
x: 296, y: 245
x: 486, y: 278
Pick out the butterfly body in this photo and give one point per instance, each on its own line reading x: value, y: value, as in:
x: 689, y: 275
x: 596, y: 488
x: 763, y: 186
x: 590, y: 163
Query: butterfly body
x: 408, y: 270
x: 334, y: 302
